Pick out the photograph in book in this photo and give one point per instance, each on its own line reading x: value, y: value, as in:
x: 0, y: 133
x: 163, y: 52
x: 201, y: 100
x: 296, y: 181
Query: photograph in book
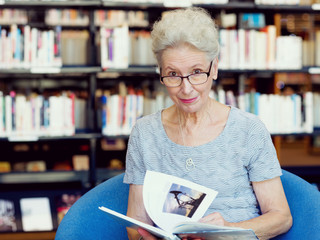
x: 182, y: 200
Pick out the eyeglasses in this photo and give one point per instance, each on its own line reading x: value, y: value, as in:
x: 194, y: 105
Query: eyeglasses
x: 194, y: 79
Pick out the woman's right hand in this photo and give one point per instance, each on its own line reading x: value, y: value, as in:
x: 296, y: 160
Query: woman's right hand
x: 146, y: 235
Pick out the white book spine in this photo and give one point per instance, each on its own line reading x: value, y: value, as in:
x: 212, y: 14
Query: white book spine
x: 242, y: 48
x: 308, y: 125
x: 27, y: 46
x: 234, y: 49
x: 8, y: 104
x: 2, y: 126
x: 34, y: 47
x: 224, y: 49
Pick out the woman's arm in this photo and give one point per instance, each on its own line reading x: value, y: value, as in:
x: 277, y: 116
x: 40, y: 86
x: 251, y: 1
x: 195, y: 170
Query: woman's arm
x: 137, y: 211
x: 276, y: 217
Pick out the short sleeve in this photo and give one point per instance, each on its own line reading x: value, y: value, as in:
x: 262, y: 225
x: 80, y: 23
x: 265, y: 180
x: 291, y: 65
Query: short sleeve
x: 135, y: 168
x: 263, y: 163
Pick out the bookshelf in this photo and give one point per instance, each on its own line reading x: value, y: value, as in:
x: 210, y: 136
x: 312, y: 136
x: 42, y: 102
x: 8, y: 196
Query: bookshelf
x: 106, y: 153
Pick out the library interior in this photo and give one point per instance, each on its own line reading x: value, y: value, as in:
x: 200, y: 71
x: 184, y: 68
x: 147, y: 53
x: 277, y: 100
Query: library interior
x: 76, y: 75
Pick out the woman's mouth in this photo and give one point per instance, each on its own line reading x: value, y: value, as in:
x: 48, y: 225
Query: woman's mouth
x: 188, y: 100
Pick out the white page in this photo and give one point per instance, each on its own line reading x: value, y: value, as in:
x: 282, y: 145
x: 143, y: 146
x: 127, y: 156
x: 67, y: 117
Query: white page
x: 163, y: 207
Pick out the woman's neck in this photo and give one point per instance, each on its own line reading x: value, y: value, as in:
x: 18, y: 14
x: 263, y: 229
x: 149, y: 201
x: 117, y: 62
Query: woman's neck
x: 196, y: 119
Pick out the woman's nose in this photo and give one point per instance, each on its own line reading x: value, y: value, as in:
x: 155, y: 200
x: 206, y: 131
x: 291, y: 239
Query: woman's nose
x: 186, y: 86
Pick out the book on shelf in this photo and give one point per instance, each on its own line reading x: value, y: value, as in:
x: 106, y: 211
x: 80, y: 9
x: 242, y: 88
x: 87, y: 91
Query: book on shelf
x: 5, y: 167
x: 62, y: 166
x: 36, y: 214
x: 63, y: 203
x: 8, y: 221
x: 140, y: 50
x: 175, y: 205
x: 114, y: 47
x: 36, y: 166
x: 71, y: 43
x: 80, y: 162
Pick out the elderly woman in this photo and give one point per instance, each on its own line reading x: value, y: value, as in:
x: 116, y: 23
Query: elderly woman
x: 202, y: 140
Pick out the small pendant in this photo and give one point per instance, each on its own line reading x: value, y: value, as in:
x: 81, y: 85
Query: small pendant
x: 190, y: 164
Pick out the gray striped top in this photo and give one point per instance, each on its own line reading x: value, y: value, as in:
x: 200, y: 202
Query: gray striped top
x: 242, y: 153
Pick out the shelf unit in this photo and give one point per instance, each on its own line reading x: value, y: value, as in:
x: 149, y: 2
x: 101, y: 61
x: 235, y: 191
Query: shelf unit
x: 93, y: 73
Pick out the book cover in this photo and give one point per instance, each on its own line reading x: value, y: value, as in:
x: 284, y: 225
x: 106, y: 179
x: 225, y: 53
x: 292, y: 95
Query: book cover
x: 36, y: 214
x: 7, y: 216
x: 64, y: 203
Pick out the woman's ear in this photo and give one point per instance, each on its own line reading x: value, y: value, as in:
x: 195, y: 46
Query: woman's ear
x: 214, y: 69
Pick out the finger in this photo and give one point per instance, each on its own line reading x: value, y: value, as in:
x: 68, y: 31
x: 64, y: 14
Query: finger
x: 145, y: 234
x: 209, y: 217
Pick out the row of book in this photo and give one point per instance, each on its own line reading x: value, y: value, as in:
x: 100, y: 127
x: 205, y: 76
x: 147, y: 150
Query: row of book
x: 120, y: 111
x: 9, y: 16
x: 171, y: 2
x: 258, y: 2
x: 31, y: 214
x: 240, y: 49
x: 114, y: 18
x: 109, y: 18
x: 282, y: 114
x: 296, y: 113
x: 120, y: 48
x: 286, y: 2
x: 27, y: 47
x: 67, y: 17
x: 253, y: 49
x: 37, y: 115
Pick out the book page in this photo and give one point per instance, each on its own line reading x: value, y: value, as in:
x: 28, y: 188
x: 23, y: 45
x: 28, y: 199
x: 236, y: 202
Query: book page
x: 170, y: 200
x: 210, y: 231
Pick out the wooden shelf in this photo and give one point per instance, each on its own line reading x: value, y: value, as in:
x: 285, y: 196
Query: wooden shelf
x: 28, y: 236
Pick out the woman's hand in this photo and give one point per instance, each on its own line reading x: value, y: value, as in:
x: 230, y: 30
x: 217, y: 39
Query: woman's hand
x: 146, y: 235
x: 215, y: 219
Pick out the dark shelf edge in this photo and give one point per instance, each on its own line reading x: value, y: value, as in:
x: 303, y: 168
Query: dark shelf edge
x: 92, y: 3
x: 44, y: 177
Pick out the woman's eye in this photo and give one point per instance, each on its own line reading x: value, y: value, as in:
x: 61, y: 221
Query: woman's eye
x: 173, y: 74
x: 196, y: 71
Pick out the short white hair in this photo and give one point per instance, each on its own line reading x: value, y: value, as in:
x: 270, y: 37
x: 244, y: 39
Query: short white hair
x: 192, y: 25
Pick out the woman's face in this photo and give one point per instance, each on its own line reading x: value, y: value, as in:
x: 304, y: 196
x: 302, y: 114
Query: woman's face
x: 182, y: 61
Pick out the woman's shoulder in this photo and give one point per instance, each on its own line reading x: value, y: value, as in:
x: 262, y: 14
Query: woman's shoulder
x: 150, y: 122
x: 245, y: 119
x: 152, y: 118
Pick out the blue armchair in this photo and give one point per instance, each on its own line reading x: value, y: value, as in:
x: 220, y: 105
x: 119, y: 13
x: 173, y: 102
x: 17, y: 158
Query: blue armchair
x: 85, y: 221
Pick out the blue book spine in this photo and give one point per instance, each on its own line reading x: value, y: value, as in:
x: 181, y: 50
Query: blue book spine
x: 104, y: 111
x: 256, y: 103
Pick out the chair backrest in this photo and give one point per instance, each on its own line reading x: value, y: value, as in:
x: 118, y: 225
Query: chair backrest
x: 304, y: 202
x: 85, y: 221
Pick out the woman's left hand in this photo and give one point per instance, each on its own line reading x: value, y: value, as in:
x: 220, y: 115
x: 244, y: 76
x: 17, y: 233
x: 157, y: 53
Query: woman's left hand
x: 215, y: 219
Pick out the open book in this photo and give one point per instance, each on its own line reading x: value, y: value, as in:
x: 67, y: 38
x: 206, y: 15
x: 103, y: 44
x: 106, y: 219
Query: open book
x: 175, y: 205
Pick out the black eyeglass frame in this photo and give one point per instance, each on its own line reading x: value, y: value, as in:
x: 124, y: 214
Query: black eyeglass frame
x: 187, y: 77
